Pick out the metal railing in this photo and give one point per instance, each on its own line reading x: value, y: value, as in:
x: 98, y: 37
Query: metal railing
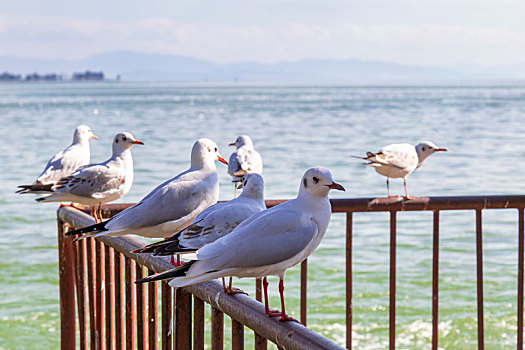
x: 92, y: 275
x: 113, y: 313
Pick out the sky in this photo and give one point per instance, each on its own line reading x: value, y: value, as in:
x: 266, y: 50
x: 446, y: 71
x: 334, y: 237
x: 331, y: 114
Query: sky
x: 415, y: 32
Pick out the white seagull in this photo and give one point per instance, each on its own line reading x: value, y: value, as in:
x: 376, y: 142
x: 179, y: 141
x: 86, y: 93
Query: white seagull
x: 215, y: 222
x: 172, y: 205
x: 244, y: 160
x: 99, y: 183
x: 268, y: 243
x: 400, y: 160
x: 64, y: 163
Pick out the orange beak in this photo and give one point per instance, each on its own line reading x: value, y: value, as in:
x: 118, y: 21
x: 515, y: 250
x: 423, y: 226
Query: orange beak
x: 222, y: 160
x: 441, y: 150
x: 94, y: 137
x: 336, y: 186
x: 231, y: 144
x: 137, y: 142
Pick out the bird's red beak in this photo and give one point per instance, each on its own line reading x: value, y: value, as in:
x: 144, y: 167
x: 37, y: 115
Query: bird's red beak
x: 94, y: 137
x: 137, y: 143
x: 441, y: 150
x: 336, y: 186
x: 231, y: 144
x: 222, y: 160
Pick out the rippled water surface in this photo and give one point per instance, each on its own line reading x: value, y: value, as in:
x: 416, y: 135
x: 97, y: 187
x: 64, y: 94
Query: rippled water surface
x: 294, y: 127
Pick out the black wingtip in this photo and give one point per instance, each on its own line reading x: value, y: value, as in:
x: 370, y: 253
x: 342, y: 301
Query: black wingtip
x: 101, y: 226
x: 176, y: 272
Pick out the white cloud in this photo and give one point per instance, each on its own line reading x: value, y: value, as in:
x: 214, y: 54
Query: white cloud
x: 428, y: 44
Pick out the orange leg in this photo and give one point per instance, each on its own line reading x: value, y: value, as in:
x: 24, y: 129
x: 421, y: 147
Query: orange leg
x: 406, y: 191
x: 267, y: 309
x: 284, y: 316
x: 176, y: 263
x: 94, y: 213
x: 230, y: 290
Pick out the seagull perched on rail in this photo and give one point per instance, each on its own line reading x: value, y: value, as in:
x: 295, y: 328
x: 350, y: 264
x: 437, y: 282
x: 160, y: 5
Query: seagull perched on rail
x: 215, y: 222
x: 171, y: 206
x: 400, y: 160
x: 267, y: 243
x: 99, y: 183
x: 244, y: 160
x: 64, y: 163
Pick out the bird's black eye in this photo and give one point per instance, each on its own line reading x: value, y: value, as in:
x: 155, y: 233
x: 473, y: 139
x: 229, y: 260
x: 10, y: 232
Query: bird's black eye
x: 316, y: 180
x: 216, y: 149
x: 424, y: 149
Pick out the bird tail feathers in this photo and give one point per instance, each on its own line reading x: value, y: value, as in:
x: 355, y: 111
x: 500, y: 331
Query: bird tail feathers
x: 176, y: 272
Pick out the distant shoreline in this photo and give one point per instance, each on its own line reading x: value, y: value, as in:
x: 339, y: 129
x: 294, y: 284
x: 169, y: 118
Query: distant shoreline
x: 54, y: 77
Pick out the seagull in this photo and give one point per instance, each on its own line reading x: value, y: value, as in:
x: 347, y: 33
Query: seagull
x: 400, y: 160
x: 244, y: 160
x: 172, y: 205
x: 64, y: 163
x: 215, y: 222
x: 267, y: 243
x: 99, y: 183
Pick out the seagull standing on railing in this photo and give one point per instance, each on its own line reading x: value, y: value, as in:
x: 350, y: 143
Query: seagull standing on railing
x: 213, y: 223
x: 400, y: 160
x: 268, y: 243
x: 172, y: 205
x: 99, y: 183
x: 64, y: 163
x: 244, y: 160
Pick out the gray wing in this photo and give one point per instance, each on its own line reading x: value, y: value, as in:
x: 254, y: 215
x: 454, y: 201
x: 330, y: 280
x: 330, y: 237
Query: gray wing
x: 272, y: 238
x: 220, y: 222
x: 63, y: 164
x: 234, y: 167
x: 92, y: 181
x: 170, y: 202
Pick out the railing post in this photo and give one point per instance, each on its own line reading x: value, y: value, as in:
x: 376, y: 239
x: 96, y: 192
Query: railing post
x: 260, y: 342
x: 304, y: 289
x: 479, y: 263
x: 435, y: 280
x: 349, y: 291
x: 66, y: 275
x: 520, y: 277
x: 182, y: 319
x: 392, y: 302
x: 217, y: 329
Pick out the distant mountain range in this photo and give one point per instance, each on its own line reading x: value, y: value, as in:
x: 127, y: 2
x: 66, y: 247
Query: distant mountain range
x: 153, y: 67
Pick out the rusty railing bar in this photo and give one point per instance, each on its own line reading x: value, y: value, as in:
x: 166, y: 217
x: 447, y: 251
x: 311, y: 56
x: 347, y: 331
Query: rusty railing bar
x: 217, y: 329
x: 110, y: 297
x: 392, y: 291
x: 100, y: 291
x: 120, y: 301
x: 142, y: 334
x: 182, y: 319
x: 92, y: 297
x: 435, y: 280
x: 520, y: 278
x: 349, y: 292
x: 80, y: 252
x: 260, y: 342
x: 237, y: 335
x: 479, y: 265
x: 166, y: 311
x: 304, y: 281
x: 66, y: 275
x: 198, y: 324
x: 153, y: 313
x: 130, y: 304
